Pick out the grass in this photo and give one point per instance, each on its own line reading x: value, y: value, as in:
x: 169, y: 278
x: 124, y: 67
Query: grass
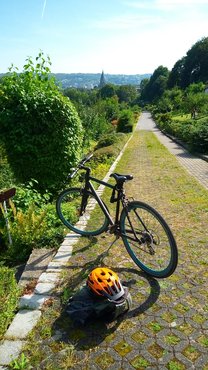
x: 160, y: 181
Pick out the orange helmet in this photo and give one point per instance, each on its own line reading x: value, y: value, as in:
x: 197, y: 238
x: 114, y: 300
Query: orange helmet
x: 105, y: 282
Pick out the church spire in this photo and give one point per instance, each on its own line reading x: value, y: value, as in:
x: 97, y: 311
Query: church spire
x: 102, y: 80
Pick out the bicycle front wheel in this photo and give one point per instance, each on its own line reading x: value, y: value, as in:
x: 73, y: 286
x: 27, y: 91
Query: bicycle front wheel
x: 88, y: 221
x: 149, y: 240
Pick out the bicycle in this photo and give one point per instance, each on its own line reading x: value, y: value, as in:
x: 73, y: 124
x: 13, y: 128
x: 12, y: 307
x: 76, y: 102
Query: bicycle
x: 146, y: 235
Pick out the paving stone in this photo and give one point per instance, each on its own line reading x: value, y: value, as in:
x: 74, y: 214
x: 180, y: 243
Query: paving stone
x: 56, y: 267
x: 22, y: 324
x: 62, y: 257
x: 65, y: 248
x: 49, y: 277
x: 44, y: 288
x: 36, y: 264
x: 9, y: 350
x: 33, y: 301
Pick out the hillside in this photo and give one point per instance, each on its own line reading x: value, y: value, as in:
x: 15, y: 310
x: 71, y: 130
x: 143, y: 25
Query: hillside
x: 89, y: 80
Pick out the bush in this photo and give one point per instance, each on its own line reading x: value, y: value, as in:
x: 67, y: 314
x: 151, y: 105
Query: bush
x: 33, y: 224
x: 197, y: 136
x: 110, y: 152
x: 9, y: 294
x: 192, y: 132
x: 109, y: 140
x: 6, y: 174
x: 39, y: 126
x: 125, y: 121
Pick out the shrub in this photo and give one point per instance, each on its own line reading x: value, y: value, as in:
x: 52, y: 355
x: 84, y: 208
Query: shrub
x: 6, y: 174
x: 109, y: 140
x: 9, y: 294
x: 40, y: 127
x: 197, y: 136
x: 110, y: 152
x: 125, y: 121
x: 35, y: 225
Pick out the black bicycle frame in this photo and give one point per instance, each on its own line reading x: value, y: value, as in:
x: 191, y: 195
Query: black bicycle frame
x: 89, y: 186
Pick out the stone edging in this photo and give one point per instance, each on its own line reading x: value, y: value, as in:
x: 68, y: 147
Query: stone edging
x: 30, y: 305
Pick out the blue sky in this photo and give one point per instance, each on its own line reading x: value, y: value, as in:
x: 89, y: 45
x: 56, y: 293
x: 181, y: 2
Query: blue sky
x: 88, y: 36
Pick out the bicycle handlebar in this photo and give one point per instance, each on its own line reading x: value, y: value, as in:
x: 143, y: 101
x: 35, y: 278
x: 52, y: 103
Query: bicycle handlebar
x: 80, y: 165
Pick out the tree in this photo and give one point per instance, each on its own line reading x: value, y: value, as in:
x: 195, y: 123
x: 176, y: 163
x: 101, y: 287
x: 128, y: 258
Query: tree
x: 156, y: 86
x: 192, y: 68
x: 127, y: 94
x: 40, y: 127
x: 176, y: 74
x: 107, y: 91
x: 196, y: 62
x: 195, y: 99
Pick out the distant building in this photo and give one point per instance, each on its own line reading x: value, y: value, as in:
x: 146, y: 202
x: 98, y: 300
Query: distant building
x: 102, y: 81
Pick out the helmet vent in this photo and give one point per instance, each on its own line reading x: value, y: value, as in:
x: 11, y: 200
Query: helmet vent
x: 100, y: 280
x: 102, y: 273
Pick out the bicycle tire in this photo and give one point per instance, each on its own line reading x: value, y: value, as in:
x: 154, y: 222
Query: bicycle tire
x: 68, y: 206
x: 159, y: 239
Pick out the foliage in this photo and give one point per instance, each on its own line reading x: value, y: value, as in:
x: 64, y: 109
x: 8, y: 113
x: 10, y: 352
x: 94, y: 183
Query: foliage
x: 26, y: 194
x: 32, y: 226
x: 125, y: 121
x: 193, y: 132
x: 9, y: 294
x: 20, y: 364
x: 107, y: 91
x: 110, y: 139
x: 46, y: 124
x: 192, y: 68
x: 127, y: 94
x: 6, y: 174
x: 107, y: 153
x: 155, y: 87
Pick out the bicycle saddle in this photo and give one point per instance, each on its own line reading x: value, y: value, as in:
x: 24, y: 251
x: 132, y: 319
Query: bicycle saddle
x: 121, y: 178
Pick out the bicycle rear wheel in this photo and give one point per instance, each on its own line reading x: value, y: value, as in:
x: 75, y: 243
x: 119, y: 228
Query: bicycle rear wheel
x: 91, y: 222
x: 149, y: 240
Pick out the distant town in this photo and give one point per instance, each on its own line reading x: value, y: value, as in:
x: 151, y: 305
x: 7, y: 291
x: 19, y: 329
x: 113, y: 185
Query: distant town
x: 90, y: 80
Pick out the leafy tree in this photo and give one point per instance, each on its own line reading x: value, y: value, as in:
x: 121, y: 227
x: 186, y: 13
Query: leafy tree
x: 192, y: 68
x: 176, y: 74
x: 171, y: 100
x: 196, y: 62
x: 195, y: 103
x: 156, y: 86
x: 107, y: 91
x: 40, y: 127
x: 127, y: 94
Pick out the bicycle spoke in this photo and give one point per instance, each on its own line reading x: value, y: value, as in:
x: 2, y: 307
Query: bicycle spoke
x: 153, y: 247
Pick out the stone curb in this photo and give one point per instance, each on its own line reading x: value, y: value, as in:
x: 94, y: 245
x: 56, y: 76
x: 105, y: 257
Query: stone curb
x: 30, y: 305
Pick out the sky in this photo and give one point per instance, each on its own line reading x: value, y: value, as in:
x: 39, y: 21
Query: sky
x: 88, y: 36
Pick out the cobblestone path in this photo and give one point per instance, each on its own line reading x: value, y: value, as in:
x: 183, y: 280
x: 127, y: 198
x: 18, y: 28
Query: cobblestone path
x: 197, y: 167
x: 167, y: 327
